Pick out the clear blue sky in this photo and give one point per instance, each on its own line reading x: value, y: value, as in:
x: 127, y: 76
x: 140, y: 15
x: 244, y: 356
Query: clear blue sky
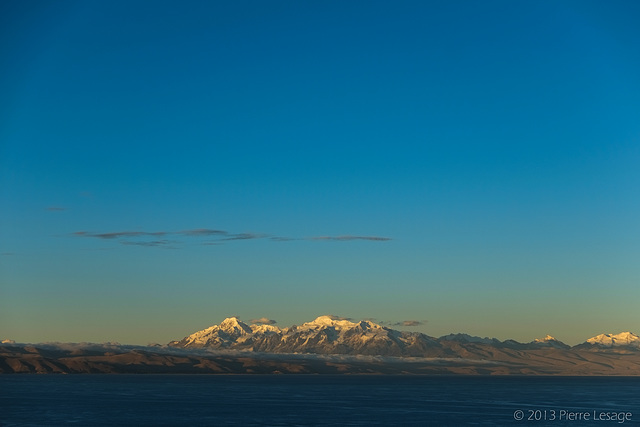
x: 474, y: 166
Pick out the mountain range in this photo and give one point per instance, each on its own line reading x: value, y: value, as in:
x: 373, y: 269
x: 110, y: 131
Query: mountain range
x: 334, y: 335
x: 334, y: 345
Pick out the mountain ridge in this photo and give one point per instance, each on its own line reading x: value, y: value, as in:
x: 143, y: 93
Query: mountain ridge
x: 328, y: 334
x: 330, y: 345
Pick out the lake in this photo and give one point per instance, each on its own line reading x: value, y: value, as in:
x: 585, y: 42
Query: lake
x: 316, y: 400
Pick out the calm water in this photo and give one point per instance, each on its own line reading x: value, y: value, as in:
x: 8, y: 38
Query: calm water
x: 219, y: 400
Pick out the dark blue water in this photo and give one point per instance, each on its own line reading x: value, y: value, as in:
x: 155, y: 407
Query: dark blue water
x: 308, y: 400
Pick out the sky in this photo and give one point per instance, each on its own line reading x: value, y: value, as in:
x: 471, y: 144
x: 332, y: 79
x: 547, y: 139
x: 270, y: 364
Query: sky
x: 455, y: 166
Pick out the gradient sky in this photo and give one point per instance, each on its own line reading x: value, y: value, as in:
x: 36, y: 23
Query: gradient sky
x: 474, y: 166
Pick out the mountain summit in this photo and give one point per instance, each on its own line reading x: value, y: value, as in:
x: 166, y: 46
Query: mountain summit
x: 549, y: 341
x: 233, y: 327
x: 623, y: 339
x: 232, y: 331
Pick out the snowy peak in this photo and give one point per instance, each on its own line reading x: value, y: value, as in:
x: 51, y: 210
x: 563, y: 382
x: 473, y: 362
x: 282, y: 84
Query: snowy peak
x: 549, y: 341
x: 367, y: 325
x: 545, y: 339
x: 626, y: 339
x: 329, y: 320
x: 234, y: 327
x: 342, y: 325
x: 229, y: 331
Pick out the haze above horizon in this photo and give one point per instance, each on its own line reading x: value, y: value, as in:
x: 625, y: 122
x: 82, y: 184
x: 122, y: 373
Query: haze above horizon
x: 447, y: 167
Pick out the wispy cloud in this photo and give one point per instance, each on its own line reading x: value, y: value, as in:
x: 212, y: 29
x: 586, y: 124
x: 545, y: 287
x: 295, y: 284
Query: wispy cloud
x: 203, y: 232
x: 407, y: 323
x: 246, y: 236
x: 56, y: 208
x: 334, y: 317
x: 349, y: 237
x: 155, y: 243
x: 204, y: 236
x: 121, y: 234
x: 411, y: 323
x: 282, y: 239
x: 263, y: 321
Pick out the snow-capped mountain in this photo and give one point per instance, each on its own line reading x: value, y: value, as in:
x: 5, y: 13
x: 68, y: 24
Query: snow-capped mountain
x: 230, y: 331
x: 548, y: 341
x: 335, y: 335
x: 324, y: 335
x: 623, y: 339
x: 330, y: 344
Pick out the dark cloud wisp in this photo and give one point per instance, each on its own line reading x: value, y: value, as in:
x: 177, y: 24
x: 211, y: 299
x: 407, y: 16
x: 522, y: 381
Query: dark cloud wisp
x: 245, y: 236
x: 263, y: 321
x: 405, y: 323
x: 121, y: 234
x: 204, y: 232
x: 212, y: 236
x: 408, y: 323
x: 156, y: 243
x: 349, y: 237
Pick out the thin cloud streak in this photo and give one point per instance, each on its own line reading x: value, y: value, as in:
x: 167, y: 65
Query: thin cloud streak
x: 56, y: 208
x: 349, y: 237
x: 120, y: 234
x: 246, y: 236
x: 282, y: 239
x: 263, y: 321
x: 410, y: 323
x: 203, y: 232
x: 156, y: 243
x: 213, y: 237
x: 334, y: 317
x: 405, y: 323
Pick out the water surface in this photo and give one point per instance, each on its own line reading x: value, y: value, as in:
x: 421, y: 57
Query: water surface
x: 311, y: 400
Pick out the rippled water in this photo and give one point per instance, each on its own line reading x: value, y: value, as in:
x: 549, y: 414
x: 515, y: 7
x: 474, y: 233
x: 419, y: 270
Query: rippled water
x: 305, y: 400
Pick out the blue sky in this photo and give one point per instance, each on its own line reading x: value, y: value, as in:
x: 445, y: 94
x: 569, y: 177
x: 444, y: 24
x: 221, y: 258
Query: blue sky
x: 470, y: 165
